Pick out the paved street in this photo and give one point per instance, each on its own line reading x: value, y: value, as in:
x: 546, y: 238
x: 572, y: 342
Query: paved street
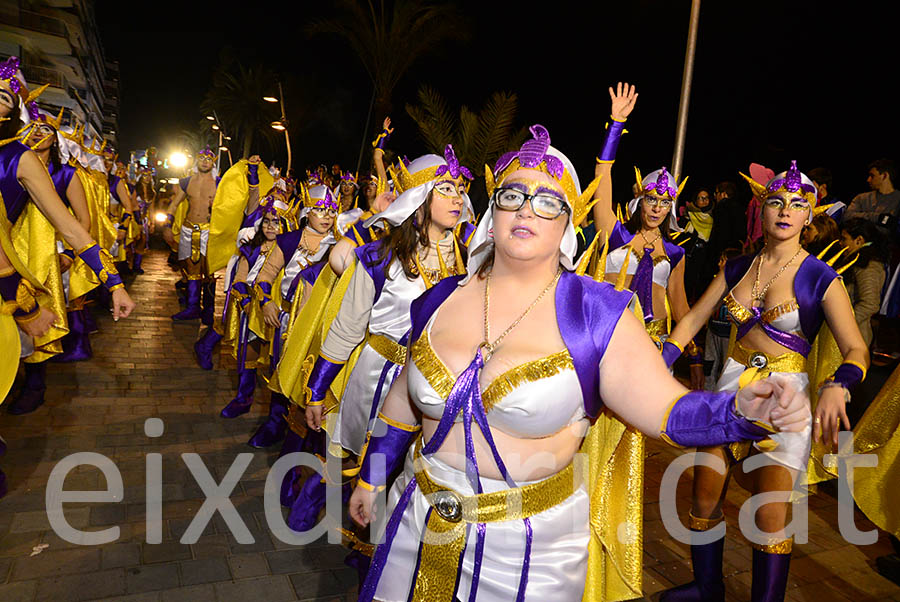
x: 144, y: 368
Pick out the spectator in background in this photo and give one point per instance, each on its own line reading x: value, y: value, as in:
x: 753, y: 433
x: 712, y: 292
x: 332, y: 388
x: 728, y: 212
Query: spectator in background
x: 729, y: 227
x: 819, y: 233
x: 881, y: 204
x: 821, y: 177
x: 698, y: 222
x: 865, y: 279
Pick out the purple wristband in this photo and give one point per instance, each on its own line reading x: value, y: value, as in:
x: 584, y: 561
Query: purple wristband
x: 382, y: 139
x: 26, y: 305
x: 323, y: 374
x: 391, y: 447
x: 670, y: 353
x: 253, y: 174
x: 241, y: 292
x: 9, y: 285
x: 263, y: 293
x: 848, y: 375
x: 708, y: 419
x: 102, y: 264
x: 611, y: 143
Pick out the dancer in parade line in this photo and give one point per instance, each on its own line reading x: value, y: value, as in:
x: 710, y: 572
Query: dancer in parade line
x: 40, y: 135
x: 641, y: 253
x: 199, y: 190
x: 22, y: 178
x: 780, y: 301
x: 297, y: 259
x: 121, y: 203
x: 241, y: 278
x: 547, y: 346
x: 144, y: 197
x: 420, y: 250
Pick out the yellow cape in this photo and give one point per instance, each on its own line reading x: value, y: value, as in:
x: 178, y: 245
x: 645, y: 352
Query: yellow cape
x: 228, y: 212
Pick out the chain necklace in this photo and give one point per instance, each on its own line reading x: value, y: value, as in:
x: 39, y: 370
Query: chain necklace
x: 760, y: 296
x: 487, y: 347
x: 650, y: 245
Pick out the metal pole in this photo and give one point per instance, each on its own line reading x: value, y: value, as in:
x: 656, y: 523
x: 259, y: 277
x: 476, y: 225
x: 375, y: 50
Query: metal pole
x: 362, y: 145
x: 681, y: 131
x: 287, y: 138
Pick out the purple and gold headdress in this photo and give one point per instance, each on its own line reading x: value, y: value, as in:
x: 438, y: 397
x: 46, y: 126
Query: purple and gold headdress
x: 660, y: 183
x: 409, y: 177
x: 208, y: 153
x: 320, y: 196
x: 792, y: 181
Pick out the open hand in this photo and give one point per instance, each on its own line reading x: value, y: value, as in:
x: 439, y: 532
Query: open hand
x: 387, y: 125
x: 39, y: 326
x: 270, y: 315
x: 623, y: 99
x: 775, y: 401
x: 314, y: 417
x: 831, y: 412
x: 383, y: 201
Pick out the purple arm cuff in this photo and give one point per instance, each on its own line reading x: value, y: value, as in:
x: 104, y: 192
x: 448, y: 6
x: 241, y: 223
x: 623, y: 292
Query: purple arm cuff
x: 670, y: 353
x: 253, y: 174
x: 392, y: 447
x: 707, y: 419
x: 101, y: 263
x: 848, y: 375
x: 69, y: 253
x: 264, y: 293
x: 611, y: 143
x: 382, y: 139
x: 323, y: 374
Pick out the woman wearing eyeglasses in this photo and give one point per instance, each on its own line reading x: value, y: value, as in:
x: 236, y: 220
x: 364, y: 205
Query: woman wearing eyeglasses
x: 641, y: 255
x: 778, y: 302
x: 504, y: 376
x: 298, y: 258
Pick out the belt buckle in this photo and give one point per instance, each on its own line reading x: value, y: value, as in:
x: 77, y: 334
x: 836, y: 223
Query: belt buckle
x: 196, y: 227
x: 758, y: 360
x: 448, y: 505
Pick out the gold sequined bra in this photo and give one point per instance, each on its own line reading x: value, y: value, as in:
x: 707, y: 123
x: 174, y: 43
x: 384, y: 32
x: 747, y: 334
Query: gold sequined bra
x: 532, y: 400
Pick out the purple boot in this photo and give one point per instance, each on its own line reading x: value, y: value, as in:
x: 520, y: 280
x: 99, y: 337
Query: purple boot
x: 244, y: 398
x: 31, y: 397
x: 208, y: 303
x: 76, y: 344
x: 770, y: 575
x: 708, y: 584
x: 204, y: 348
x: 192, y: 309
x: 138, y: 259
x: 181, y: 292
x: 293, y: 442
x: 272, y: 430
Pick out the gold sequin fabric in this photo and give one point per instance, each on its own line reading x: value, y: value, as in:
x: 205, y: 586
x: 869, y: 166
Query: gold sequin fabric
x: 532, y: 371
x: 388, y: 349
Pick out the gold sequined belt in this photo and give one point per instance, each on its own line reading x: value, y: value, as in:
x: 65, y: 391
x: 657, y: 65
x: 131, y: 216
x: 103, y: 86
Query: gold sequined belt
x: 658, y: 331
x: 388, y: 349
x: 765, y: 363
x: 444, y: 538
x: 196, y: 238
x: 515, y: 503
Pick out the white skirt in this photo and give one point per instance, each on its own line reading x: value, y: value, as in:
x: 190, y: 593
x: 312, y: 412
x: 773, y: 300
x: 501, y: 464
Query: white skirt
x: 793, y: 448
x: 356, y: 404
x: 184, y: 242
x: 559, y: 548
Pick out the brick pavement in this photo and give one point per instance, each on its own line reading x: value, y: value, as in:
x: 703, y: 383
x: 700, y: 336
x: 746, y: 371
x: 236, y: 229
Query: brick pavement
x: 143, y: 367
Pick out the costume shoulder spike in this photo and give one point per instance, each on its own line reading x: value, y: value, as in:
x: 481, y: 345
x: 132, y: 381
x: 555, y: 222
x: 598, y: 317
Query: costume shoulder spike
x: 489, y: 180
x: 638, y: 178
x: 759, y: 190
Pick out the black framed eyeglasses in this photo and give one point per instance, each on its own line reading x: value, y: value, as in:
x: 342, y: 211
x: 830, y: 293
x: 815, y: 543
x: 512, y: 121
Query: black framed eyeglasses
x: 543, y: 205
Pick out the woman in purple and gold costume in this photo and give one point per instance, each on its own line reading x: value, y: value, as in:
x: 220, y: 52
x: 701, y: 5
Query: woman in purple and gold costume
x: 641, y: 255
x: 785, y: 305
x: 548, y: 345
x: 22, y: 178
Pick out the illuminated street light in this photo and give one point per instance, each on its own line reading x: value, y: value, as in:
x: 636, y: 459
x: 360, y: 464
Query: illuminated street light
x: 178, y: 160
x: 173, y: 180
x: 223, y: 149
x: 227, y: 137
x: 161, y: 217
x: 210, y: 117
x: 270, y: 99
x: 215, y: 127
x: 277, y: 125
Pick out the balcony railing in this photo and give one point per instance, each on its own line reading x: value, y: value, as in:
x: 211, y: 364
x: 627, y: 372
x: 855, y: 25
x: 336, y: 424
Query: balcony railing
x: 38, y: 76
x: 43, y: 23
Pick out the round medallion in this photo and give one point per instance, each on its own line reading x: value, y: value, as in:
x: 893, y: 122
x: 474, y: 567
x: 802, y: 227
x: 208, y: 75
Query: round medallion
x: 448, y: 505
x: 758, y: 360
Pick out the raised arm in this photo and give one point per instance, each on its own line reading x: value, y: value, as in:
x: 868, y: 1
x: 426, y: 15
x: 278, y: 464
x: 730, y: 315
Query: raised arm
x: 379, y: 144
x: 623, y: 100
x: 253, y: 181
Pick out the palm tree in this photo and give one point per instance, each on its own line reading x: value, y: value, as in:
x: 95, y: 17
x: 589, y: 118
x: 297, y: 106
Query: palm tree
x: 389, y: 44
x: 477, y: 138
x: 236, y: 96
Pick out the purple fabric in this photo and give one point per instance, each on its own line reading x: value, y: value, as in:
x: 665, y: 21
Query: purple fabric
x: 91, y: 257
x: 368, y: 259
x: 786, y: 339
x: 293, y: 442
x: 661, y: 186
x: 812, y: 280
x: 288, y: 243
x: 244, y: 289
x: 77, y: 343
x: 532, y: 153
x: 253, y: 174
x: 792, y: 181
x: 707, y: 419
x: 113, y: 182
x: 770, y: 575
x: 453, y: 167
x: 526, y: 564
x: 14, y: 195
x: 184, y: 183
x: 848, y: 375
x: 620, y: 236
x: 393, y: 445
x: 611, y: 142
x: 670, y: 353
x: 321, y: 377
x: 673, y: 251
x: 642, y: 284
x: 204, y: 348
x: 9, y: 285
x: 736, y: 268
x: 62, y: 174
x: 708, y: 583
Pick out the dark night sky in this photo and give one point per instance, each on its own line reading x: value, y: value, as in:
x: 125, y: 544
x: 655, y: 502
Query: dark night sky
x: 773, y: 81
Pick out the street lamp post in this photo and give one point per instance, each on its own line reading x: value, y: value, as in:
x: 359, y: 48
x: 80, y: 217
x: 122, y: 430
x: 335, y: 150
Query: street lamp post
x: 687, y: 76
x: 281, y: 124
x: 217, y: 126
